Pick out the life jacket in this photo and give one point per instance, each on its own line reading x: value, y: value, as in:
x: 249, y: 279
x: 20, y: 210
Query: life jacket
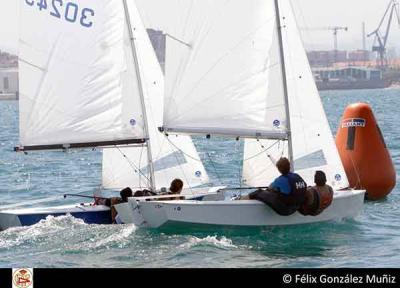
x: 298, y: 189
x: 317, y: 200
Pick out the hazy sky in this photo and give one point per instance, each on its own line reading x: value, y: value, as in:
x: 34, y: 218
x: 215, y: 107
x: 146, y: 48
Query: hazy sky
x: 310, y: 13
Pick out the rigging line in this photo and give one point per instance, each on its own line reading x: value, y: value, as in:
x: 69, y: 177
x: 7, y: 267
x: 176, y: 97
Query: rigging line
x: 179, y: 164
x: 132, y: 164
x: 183, y: 152
x: 268, y: 156
x: 356, y: 170
x: 215, y: 169
x: 262, y: 152
x: 140, y: 162
x: 178, y: 40
x: 31, y: 202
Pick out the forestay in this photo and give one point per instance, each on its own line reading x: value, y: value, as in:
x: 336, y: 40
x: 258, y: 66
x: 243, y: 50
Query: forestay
x: 77, y: 75
x: 173, y: 157
x: 313, y: 144
x: 223, y: 74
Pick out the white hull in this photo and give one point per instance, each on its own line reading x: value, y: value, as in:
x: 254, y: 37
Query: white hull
x: 346, y: 204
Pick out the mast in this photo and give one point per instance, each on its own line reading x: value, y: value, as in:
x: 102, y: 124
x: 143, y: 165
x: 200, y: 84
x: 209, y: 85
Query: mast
x: 285, y: 87
x: 140, y: 86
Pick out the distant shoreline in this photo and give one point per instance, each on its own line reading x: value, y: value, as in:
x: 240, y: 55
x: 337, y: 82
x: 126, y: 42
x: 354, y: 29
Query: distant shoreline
x: 8, y: 97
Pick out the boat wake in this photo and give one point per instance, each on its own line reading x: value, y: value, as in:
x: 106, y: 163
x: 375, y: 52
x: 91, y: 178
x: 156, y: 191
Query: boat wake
x: 46, y: 228
x: 208, y: 241
x: 67, y: 233
x: 119, y: 239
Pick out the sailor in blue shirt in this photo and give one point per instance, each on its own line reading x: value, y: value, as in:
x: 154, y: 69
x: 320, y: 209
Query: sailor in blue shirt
x: 281, y: 184
x: 286, y: 194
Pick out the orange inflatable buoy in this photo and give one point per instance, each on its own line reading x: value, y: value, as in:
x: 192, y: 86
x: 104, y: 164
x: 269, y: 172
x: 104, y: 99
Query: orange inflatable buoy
x: 364, y: 154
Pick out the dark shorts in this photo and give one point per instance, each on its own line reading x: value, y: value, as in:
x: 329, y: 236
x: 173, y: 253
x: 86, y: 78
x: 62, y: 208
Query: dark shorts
x: 107, y: 202
x: 274, y: 200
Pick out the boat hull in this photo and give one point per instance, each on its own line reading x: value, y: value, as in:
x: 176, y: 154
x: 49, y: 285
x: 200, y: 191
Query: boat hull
x: 346, y: 204
x: 90, y: 214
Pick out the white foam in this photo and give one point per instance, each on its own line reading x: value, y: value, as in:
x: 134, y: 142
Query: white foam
x: 223, y: 242
x: 118, y: 236
x: 51, y: 225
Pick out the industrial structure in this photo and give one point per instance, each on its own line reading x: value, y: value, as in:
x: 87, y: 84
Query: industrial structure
x: 381, y: 37
x: 359, y: 69
x: 349, y: 78
x: 335, y: 30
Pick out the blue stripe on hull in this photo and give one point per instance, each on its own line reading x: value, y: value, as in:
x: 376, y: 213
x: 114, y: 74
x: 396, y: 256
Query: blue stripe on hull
x: 95, y: 217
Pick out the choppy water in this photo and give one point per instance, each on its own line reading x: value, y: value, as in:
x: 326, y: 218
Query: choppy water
x: 370, y: 240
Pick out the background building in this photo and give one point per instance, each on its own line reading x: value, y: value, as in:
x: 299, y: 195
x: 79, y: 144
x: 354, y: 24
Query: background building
x: 359, y: 56
x: 8, y: 80
x: 326, y: 58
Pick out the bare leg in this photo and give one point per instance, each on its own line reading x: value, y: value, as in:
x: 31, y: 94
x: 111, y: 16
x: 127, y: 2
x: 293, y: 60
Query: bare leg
x: 114, y: 201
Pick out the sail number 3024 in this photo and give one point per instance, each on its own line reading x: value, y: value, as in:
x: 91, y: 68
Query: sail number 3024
x: 67, y: 11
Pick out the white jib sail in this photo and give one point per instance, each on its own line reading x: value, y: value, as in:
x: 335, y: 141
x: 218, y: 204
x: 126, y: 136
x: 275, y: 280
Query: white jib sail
x: 173, y: 157
x: 77, y: 74
x: 223, y: 70
x: 313, y: 144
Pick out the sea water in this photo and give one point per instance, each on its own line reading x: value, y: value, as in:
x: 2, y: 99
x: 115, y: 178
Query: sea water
x: 370, y: 240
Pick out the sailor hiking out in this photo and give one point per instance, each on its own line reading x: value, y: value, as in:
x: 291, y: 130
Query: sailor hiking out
x: 286, y: 194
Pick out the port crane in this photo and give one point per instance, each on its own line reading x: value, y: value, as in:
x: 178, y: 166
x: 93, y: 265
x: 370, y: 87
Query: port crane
x: 381, y: 39
x: 335, y: 30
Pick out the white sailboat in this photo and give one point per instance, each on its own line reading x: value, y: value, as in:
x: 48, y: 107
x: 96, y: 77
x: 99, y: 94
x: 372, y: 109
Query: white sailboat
x: 89, y: 77
x: 239, y: 69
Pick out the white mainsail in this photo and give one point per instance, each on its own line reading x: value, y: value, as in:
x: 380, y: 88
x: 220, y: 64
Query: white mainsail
x: 172, y: 157
x: 313, y: 143
x: 77, y: 74
x: 223, y: 74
